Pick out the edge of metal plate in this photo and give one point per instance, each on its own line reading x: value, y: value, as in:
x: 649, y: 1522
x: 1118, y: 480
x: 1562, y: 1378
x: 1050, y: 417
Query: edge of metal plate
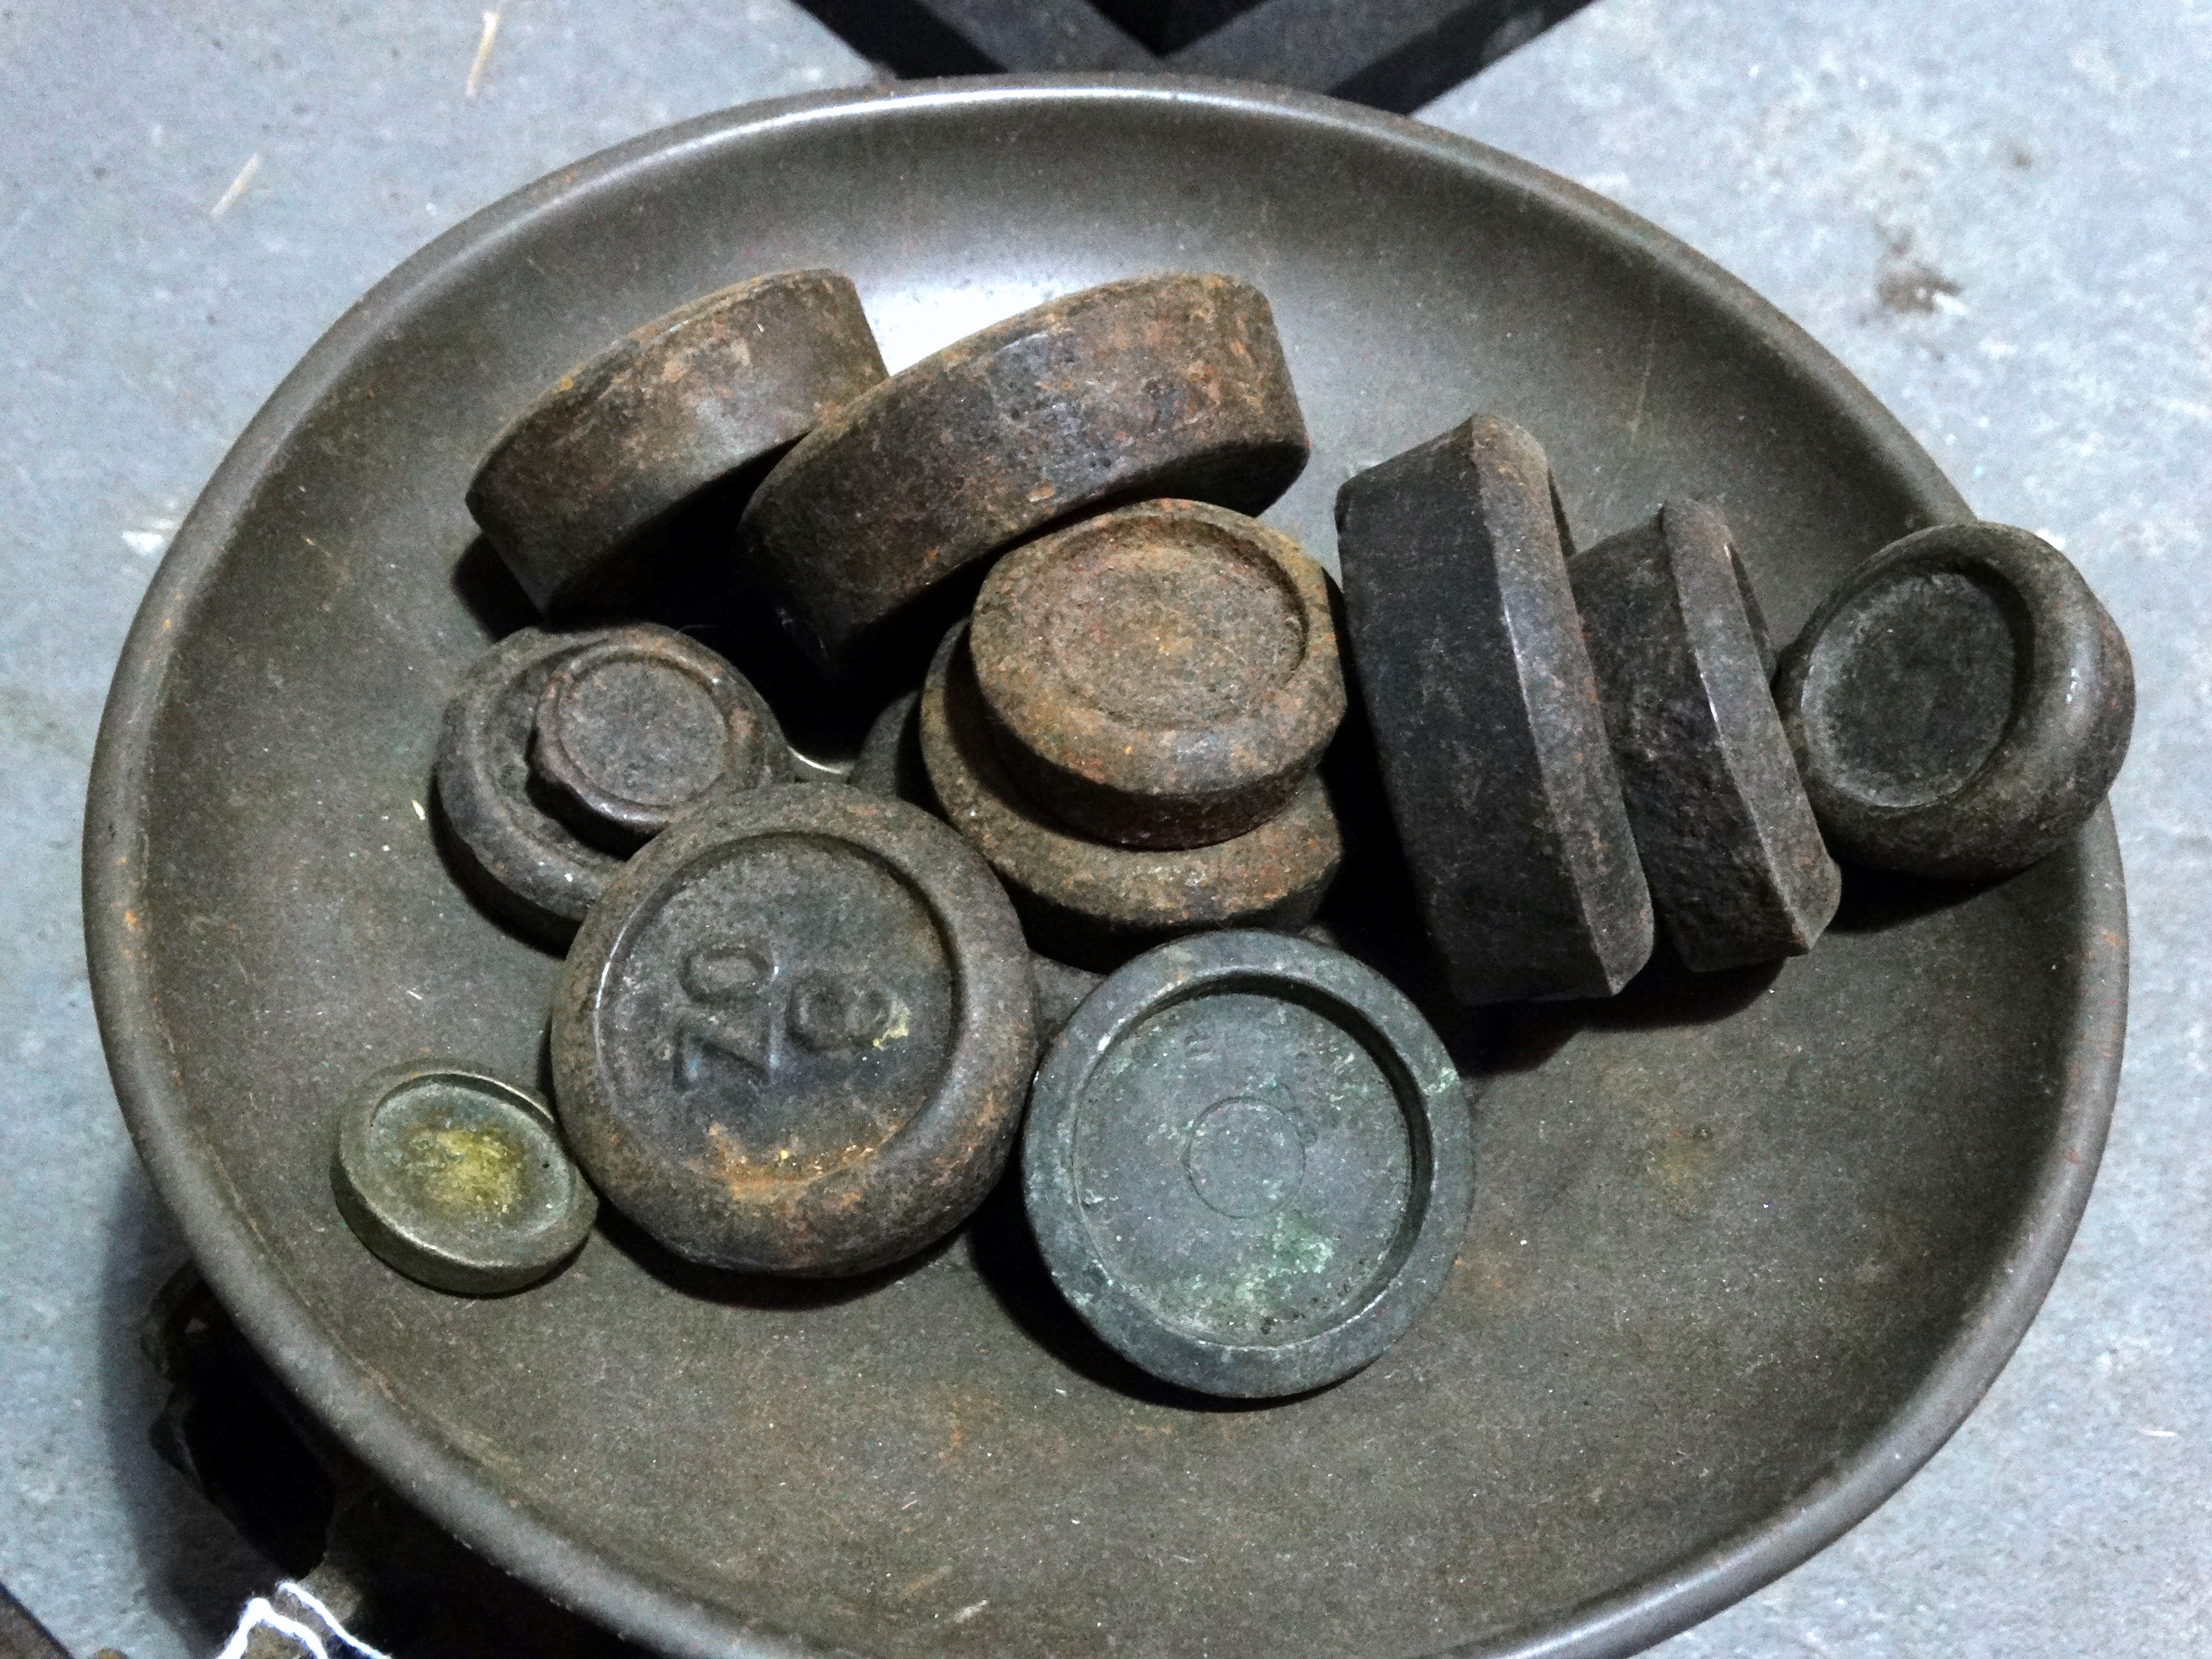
x: 457, y: 1492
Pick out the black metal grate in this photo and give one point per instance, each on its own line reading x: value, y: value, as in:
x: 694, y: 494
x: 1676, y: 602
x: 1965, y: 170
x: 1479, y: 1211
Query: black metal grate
x: 1392, y: 54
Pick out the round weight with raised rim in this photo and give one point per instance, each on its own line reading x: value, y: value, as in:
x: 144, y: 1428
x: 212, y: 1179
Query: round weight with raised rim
x: 571, y: 493
x: 1172, y: 385
x: 1247, y: 1163
x: 1959, y: 705
x: 634, y: 729
x: 458, y: 1178
x: 794, y: 1035
x: 1161, y: 676
x: 527, y: 866
x: 1088, y: 902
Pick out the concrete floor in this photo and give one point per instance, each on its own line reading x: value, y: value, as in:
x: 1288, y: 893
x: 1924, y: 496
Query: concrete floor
x: 1997, y: 216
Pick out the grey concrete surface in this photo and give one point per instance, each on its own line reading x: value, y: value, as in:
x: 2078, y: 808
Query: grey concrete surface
x: 139, y: 331
x: 2000, y: 218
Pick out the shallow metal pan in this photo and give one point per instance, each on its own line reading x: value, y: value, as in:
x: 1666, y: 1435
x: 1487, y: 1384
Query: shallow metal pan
x: 1747, y: 1247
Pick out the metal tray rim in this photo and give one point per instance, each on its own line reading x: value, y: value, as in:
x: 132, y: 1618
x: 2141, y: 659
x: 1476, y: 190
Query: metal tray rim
x: 437, y: 1475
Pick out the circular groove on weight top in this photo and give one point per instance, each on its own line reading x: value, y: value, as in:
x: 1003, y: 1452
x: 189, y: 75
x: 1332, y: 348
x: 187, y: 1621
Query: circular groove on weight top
x: 1247, y: 1163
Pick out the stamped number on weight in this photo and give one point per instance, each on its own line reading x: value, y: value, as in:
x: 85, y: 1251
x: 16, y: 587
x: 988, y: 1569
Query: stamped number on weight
x: 746, y: 1008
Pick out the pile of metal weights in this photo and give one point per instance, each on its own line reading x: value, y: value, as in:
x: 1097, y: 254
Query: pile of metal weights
x: 799, y: 1026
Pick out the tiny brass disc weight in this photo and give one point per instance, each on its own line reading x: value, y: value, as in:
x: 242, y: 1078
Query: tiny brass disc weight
x: 1092, y: 903
x: 1247, y: 1163
x: 1161, y: 675
x: 795, y: 1035
x: 458, y: 1179
x: 1169, y: 385
x: 1485, y: 718
x: 634, y: 729
x: 1735, y: 863
x: 1960, y: 704
x: 571, y: 491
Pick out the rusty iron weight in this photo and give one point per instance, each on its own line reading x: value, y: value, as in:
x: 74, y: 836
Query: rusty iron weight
x: 1061, y: 990
x: 1960, y: 704
x: 520, y: 858
x: 1161, y: 676
x: 573, y: 492
x: 1736, y: 866
x: 889, y: 761
x: 524, y: 845
x: 458, y: 1178
x: 634, y: 728
x: 1170, y: 384
x: 1247, y: 1163
x: 795, y: 1035
x: 1485, y: 719
x: 890, y: 764
x: 1092, y: 903
x: 1755, y: 616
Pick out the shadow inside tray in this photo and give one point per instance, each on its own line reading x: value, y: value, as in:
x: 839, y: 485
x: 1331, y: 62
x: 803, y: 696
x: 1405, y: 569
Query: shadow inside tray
x: 485, y: 896
x: 482, y: 583
x: 1004, y: 1253
x: 1664, y: 995
x: 1373, y: 914
x: 1876, y: 900
x: 688, y: 581
x: 1519, y: 1037
x: 742, y: 1290
x: 684, y: 574
x: 695, y: 586
x: 1371, y: 911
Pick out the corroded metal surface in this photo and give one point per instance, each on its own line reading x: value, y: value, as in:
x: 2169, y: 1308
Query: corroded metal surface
x: 572, y: 490
x: 1170, y: 384
x: 1061, y: 988
x: 1485, y: 719
x: 537, y: 844
x: 1754, y: 615
x: 1960, y: 705
x: 1096, y: 904
x: 1161, y: 675
x: 1247, y: 1163
x: 632, y: 730
x: 458, y: 1178
x: 795, y: 1035
x: 1736, y: 867
x: 519, y: 859
x: 889, y: 761
x: 890, y: 764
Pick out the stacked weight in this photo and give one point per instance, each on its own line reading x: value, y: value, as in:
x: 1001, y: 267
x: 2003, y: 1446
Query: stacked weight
x: 1128, y: 726
x: 799, y: 1025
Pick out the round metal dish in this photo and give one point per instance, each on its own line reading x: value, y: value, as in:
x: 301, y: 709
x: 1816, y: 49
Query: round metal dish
x: 1746, y: 1247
